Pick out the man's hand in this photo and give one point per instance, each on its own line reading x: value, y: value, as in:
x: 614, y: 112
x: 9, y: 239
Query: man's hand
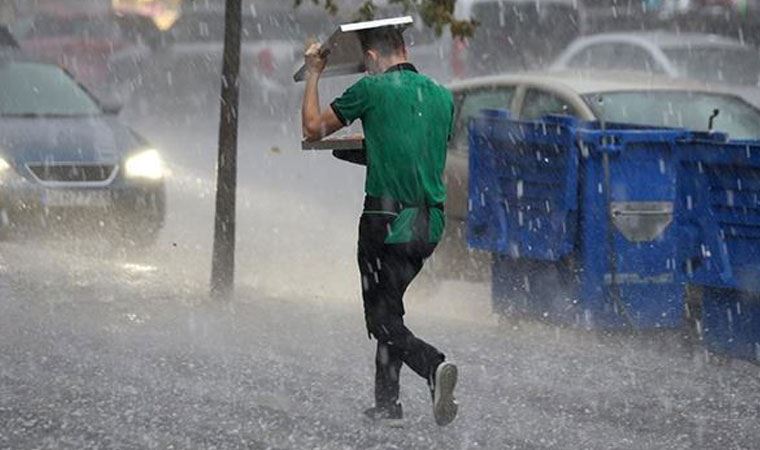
x: 315, y: 58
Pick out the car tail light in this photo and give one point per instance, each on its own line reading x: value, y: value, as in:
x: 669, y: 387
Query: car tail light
x: 265, y: 61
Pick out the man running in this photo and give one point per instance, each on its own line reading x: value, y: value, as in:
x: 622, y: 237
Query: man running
x: 407, y: 120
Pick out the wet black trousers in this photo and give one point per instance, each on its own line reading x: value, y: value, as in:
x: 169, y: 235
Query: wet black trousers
x: 386, y: 272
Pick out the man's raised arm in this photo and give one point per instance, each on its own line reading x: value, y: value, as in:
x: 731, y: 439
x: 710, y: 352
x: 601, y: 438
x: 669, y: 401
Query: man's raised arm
x: 316, y: 123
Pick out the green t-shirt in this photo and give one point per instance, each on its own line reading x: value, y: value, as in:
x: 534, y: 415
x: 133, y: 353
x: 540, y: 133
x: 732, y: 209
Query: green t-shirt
x: 407, y: 120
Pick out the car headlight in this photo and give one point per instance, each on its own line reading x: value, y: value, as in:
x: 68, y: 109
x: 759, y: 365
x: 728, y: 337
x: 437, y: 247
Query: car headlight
x: 146, y: 164
x: 4, y: 166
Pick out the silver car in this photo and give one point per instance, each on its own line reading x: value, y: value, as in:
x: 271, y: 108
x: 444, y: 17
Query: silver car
x: 703, y: 57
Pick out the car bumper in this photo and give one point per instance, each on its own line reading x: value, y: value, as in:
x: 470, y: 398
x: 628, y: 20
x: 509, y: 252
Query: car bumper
x: 25, y: 202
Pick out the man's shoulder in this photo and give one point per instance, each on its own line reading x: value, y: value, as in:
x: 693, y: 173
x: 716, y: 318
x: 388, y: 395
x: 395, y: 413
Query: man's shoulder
x: 434, y: 84
x: 424, y: 79
x: 445, y: 91
x: 441, y: 90
x: 388, y: 80
x: 361, y: 83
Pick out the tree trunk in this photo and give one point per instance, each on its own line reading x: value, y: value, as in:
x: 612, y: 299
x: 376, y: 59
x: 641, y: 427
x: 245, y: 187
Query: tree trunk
x: 223, y: 260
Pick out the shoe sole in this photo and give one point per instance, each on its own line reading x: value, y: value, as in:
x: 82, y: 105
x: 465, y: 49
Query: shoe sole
x: 390, y: 423
x: 445, y: 407
x: 394, y: 423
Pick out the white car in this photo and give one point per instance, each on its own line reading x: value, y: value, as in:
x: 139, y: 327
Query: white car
x: 703, y: 57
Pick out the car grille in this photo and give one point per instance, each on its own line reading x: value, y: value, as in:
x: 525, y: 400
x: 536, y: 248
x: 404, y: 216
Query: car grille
x: 72, y: 173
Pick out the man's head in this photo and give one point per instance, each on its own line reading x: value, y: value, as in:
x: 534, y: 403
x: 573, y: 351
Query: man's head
x: 382, y: 47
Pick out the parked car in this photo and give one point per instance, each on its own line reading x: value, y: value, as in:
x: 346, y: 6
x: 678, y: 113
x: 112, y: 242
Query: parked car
x: 187, y: 74
x: 90, y: 43
x: 66, y: 159
x: 514, y: 35
x: 704, y: 57
x: 606, y: 96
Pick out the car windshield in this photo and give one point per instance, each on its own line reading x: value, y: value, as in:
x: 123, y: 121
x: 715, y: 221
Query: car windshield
x: 735, y: 66
x: 32, y: 89
x: 682, y: 109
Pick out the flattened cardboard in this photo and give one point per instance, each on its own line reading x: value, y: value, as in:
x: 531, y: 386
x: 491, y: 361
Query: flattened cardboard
x: 345, y: 52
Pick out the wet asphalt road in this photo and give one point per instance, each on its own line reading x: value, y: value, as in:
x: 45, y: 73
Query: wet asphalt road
x: 107, y: 354
x: 101, y: 349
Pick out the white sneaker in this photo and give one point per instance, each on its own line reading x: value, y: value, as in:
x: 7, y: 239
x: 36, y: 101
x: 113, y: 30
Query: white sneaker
x: 445, y: 406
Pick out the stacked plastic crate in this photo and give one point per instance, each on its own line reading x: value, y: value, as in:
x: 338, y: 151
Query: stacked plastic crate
x: 604, y: 225
x: 719, y: 226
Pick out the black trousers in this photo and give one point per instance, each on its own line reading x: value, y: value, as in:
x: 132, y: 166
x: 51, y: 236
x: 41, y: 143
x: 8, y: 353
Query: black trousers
x: 386, y: 272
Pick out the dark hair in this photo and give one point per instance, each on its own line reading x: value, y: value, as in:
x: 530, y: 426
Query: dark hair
x: 386, y: 40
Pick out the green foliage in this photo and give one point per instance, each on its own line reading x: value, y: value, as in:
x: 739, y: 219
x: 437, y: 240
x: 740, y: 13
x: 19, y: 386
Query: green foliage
x: 330, y: 5
x: 366, y: 12
x: 436, y: 14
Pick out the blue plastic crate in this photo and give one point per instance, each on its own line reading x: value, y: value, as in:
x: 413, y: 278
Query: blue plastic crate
x: 631, y: 215
x: 718, y: 217
x: 719, y: 213
x: 571, y: 262
x: 523, y: 186
x: 629, y: 267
